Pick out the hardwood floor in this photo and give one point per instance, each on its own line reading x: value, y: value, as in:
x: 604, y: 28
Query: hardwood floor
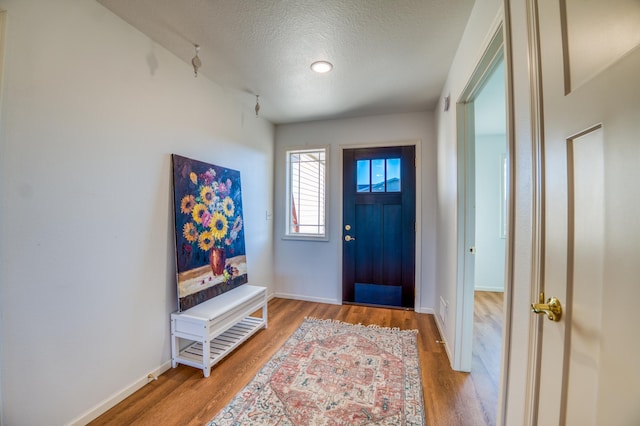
x: 181, y: 396
x: 487, y: 348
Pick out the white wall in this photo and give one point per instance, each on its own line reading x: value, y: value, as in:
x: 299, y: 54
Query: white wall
x: 490, y: 245
x: 482, y: 23
x: 3, y: 16
x: 91, y: 111
x: 311, y: 270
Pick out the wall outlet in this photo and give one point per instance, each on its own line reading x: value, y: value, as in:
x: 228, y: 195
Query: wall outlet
x: 444, y: 311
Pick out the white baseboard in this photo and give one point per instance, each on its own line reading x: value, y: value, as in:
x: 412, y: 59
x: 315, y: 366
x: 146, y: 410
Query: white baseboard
x: 443, y: 339
x: 307, y: 298
x: 489, y: 288
x: 118, y: 397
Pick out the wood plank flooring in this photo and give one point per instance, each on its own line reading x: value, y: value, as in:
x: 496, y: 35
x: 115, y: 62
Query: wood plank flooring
x: 181, y: 396
x: 487, y: 348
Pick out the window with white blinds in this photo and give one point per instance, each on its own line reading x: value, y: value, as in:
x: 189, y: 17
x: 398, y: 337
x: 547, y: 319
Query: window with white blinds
x: 306, y: 193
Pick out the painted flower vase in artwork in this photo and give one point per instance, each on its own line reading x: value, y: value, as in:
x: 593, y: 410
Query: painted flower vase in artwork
x: 217, y: 259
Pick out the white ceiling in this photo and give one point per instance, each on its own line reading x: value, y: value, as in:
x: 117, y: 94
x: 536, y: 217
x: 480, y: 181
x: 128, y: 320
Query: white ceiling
x: 389, y: 55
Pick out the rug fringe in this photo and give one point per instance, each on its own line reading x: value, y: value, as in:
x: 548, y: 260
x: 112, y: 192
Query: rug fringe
x: 373, y: 326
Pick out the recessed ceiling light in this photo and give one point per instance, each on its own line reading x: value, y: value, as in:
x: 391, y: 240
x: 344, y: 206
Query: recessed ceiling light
x: 321, y: 66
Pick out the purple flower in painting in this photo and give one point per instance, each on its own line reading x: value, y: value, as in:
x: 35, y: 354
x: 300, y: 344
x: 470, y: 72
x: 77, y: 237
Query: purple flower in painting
x: 208, y: 176
x: 206, y: 218
x: 223, y: 190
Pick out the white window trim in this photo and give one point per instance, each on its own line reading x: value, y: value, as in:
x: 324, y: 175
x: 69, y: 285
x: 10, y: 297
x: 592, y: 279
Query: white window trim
x: 300, y: 236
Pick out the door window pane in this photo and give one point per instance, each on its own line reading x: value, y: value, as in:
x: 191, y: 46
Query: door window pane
x: 377, y: 176
x: 393, y: 175
x: 380, y: 175
x: 364, y: 176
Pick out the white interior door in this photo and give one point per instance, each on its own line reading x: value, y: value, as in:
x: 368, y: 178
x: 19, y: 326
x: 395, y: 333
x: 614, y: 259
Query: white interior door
x: 589, y: 367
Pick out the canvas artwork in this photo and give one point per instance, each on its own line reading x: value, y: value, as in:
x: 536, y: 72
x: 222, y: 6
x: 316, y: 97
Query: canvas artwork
x: 210, y: 250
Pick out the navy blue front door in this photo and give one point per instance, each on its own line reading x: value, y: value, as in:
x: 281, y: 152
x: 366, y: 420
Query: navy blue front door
x: 378, y: 235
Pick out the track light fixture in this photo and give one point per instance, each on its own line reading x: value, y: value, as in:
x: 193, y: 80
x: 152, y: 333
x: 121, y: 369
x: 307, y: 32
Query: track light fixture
x: 196, y: 62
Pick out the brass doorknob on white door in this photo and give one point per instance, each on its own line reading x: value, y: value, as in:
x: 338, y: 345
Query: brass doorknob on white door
x: 553, y: 308
x: 349, y: 238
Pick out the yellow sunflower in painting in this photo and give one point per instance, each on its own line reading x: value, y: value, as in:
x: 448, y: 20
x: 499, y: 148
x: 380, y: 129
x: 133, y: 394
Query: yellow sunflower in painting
x: 219, y: 226
x: 190, y: 232
x: 228, y: 207
x: 197, y: 212
x: 187, y: 203
x: 205, y: 241
x: 207, y: 195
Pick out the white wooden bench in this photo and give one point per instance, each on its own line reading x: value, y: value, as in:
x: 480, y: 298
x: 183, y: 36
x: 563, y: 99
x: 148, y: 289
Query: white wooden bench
x: 212, y: 329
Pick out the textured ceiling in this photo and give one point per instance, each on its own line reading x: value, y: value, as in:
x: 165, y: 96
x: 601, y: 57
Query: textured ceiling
x: 388, y: 55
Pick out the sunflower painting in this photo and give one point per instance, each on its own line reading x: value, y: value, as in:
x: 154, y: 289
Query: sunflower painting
x: 210, y: 250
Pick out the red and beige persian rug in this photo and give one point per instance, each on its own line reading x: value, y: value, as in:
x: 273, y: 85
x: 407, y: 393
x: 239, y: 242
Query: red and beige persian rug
x: 333, y: 373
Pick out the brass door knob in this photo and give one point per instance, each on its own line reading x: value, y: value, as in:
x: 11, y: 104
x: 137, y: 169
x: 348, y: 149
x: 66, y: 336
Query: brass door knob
x: 553, y: 308
x: 349, y: 238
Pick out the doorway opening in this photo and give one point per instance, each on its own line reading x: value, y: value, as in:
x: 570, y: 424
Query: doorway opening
x: 483, y: 182
x: 490, y: 232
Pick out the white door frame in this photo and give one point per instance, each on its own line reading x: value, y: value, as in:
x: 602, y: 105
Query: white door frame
x: 519, y: 383
x: 462, y: 352
x: 3, y: 26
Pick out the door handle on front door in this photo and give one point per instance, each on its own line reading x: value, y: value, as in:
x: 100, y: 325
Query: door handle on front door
x: 553, y: 308
x: 349, y: 238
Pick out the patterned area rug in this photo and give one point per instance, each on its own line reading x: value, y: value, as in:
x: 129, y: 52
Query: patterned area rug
x: 334, y: 373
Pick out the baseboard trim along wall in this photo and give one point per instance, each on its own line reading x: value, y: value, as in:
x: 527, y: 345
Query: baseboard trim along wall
x: 118, y: 397
x: 443, y: 339
x: 489, y: 288
x: 307, y: 298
